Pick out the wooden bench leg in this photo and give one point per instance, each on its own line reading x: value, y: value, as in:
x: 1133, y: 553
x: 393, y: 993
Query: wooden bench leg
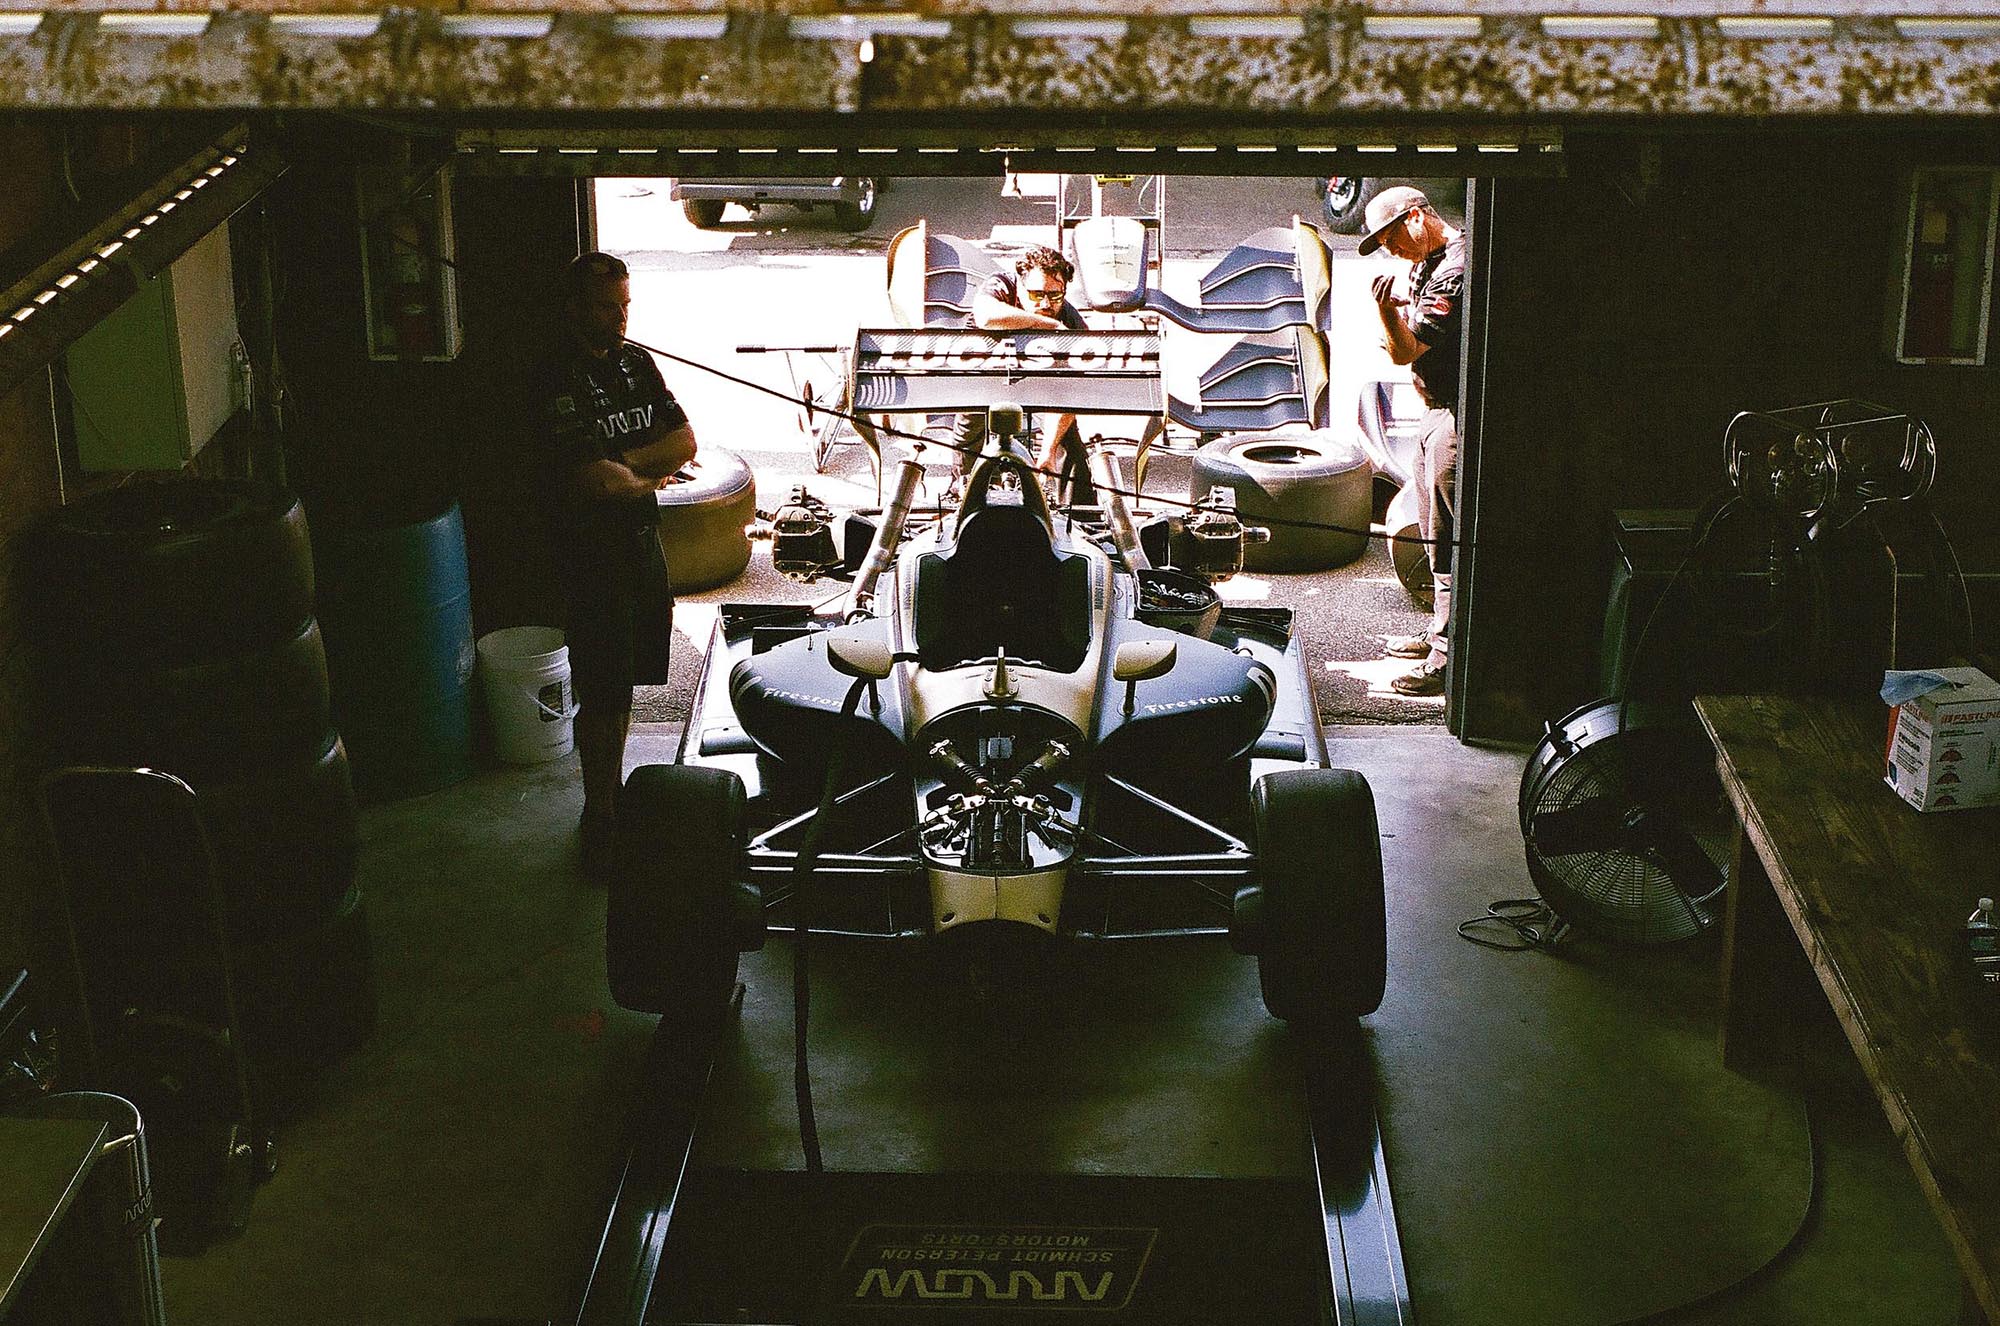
x: 1759, y: 965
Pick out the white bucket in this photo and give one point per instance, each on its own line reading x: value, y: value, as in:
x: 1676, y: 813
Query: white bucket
x: 528, y: 695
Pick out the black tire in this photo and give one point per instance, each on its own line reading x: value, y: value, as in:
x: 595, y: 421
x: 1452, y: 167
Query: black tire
x: 286, y: 842
x: 1319, y: 478
x: 219, y: 715
x: 161, y: 574
x: 1323, y: 955
x: 1407, y: 550
x: 859, y: 214
x: 704, y: 522
x: 1344, y: 202
x: 671, y: 929
x: 703, y: 213
x: 306, y: 998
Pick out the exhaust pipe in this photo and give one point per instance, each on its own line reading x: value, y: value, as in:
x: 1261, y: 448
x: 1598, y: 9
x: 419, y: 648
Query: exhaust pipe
x: 1104, y: 476
x: 888, y: 536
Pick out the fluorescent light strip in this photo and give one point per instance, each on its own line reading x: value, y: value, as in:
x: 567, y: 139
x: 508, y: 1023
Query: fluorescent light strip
x: 1196, y: 147
x: 6, y: 328
x: 1316, y: 147
x: 519, y: 151
x: 88, y: 265
x: 1420, y: 25
x: 67, y: 280
x: 1740, y: 27
x: 818, y: 151
x: 1947, y: 29
x: 1100, y: 29
x: 337, y: 26
x: 638, y: 151
x: 1138, y: 149
x: 576, y: 151
x: 508, y: 27
x: 46, y: 297
x: 877, y: 151
x: 847, y: 27
x: 1250, y: 27
x: 1499, y: 147
x: 19, y: 25
x: 1076, y: 149
x: 1635, y: 27
x: 1256, y: 147
x: 936, y: 151
x: 756, y: 151
x: 22, y: 314
x: 670, y: 27
x: 1437, y: 147
x: 153, y: 25
x: 1375, y: 147
x: 695, y: 151
x: 111, y: 248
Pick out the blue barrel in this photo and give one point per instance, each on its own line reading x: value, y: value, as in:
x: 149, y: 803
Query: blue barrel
x: 395, y: 607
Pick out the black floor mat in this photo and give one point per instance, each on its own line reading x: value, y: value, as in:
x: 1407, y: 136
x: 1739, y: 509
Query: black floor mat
x: 928, y: 1249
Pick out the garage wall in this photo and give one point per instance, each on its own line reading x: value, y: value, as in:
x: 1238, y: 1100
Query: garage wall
x: 1633, y: 311
x: 27, y: 486
x: 389, y: 443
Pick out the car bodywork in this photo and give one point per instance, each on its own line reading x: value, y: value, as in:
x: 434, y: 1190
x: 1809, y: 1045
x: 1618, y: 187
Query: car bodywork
x: 1018, y: 729
x: 851, y: 196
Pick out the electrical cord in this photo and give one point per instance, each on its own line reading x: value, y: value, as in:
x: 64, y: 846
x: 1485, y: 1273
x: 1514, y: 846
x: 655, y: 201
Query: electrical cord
x: 1531, y: 921
x: 802, y: 897
x: 1808, y: 1224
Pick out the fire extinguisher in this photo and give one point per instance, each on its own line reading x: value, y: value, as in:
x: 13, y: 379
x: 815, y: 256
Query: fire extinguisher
x: 410, y: 295
x: 1929, y: 314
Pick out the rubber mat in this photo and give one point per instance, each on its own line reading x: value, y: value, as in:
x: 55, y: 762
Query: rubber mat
x: 925, y: 1249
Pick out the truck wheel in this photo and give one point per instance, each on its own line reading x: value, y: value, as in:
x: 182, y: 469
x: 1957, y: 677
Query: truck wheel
x: 1344, y: 202
x: 703, y: 521
x: 1323, y: 950
x: 671, y: 931
x: 702, y: 213
x: 860, y: 213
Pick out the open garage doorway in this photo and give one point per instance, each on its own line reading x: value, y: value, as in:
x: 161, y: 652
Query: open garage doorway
x: 768, y: 286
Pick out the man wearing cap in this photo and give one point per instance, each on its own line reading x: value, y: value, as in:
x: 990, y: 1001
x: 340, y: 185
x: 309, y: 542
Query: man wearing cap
x: 1422, y: 330
x: 611, y: 435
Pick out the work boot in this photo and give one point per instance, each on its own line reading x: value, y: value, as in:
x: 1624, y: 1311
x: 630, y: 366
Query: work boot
x: 1427, y: 678
x: 1409, y: 646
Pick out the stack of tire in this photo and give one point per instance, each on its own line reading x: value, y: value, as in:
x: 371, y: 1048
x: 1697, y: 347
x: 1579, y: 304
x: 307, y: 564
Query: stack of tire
x: 174, y: 630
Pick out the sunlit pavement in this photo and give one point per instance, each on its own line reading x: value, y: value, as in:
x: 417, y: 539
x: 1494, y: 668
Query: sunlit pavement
x: 787, y: 278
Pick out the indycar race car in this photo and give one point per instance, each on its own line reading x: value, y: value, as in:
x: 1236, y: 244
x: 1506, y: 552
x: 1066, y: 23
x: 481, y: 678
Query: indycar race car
x: 1016, y: 731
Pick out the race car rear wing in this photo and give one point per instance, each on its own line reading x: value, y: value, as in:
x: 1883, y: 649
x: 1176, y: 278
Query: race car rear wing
x: 938, y: 370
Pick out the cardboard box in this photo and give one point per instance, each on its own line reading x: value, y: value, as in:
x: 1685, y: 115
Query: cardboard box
x: 1944, y: 746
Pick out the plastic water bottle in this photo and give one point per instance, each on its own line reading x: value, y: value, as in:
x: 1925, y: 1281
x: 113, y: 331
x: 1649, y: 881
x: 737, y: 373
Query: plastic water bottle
x: 1982, y: 941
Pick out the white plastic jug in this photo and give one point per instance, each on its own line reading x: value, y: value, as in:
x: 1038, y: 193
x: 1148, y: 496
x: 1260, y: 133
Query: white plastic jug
x: 528, y: 695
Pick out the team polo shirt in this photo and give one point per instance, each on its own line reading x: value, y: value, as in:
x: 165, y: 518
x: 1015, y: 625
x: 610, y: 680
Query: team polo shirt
x: 1437, y: 313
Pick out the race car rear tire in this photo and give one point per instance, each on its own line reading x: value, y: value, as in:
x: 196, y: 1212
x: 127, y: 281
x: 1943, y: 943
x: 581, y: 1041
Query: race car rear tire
x: 1319, y: 484
x: 704, y: 521
x: 1323, y: 950
x: 672, y: 928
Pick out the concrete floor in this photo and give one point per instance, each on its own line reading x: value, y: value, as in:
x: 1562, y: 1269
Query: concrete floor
x: 1563, y: 1143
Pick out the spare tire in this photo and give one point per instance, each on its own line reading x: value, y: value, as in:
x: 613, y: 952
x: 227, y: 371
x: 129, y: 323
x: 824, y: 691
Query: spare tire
x: 286, y: 840
x: 168, y: 573
x: 704, y: 521
x: 228, y: 713
x: 1313, y: 490
x: 308, y: 997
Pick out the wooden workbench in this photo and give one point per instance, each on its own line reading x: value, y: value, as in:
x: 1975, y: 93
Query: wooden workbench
x: 1876, y: 894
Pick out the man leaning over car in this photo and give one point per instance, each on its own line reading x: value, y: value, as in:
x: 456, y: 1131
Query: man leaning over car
x: 1034, y: 297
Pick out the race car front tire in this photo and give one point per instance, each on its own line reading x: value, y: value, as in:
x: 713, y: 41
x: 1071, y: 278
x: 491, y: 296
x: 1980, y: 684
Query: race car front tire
x: 676, y: 898
x: 1322, y: 947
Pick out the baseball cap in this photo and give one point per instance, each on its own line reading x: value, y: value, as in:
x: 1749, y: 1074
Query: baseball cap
x: 1388, y: 207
